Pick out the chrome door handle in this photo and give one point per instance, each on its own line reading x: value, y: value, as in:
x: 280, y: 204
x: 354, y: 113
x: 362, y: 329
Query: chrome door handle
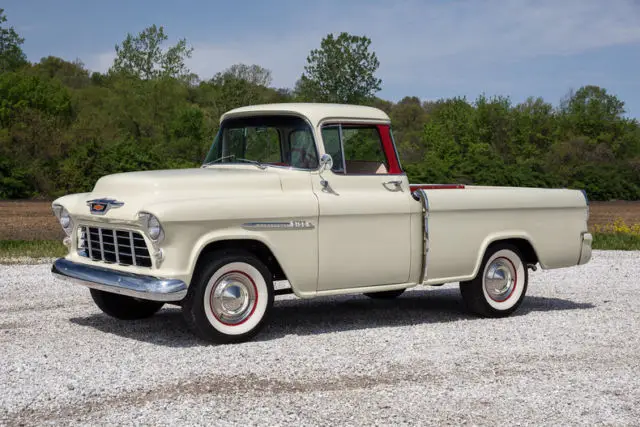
x: 396, y: 182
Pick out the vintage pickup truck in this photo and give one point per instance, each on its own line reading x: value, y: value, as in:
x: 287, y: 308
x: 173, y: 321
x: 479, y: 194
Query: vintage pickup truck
x: 313, y: 194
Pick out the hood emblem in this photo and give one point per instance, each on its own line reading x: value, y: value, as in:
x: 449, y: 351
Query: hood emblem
x: 101, y: 206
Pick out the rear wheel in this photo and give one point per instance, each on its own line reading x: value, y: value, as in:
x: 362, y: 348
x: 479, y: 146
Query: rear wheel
x: 124, y: 307
x: 385, y: 294
x: 501, y: 283
x: 229, y: 298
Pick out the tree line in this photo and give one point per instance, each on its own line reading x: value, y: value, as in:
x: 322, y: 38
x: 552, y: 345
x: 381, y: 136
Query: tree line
x: 63, y: 127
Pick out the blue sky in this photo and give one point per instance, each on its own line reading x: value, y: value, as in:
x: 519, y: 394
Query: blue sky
x: 430, y: 48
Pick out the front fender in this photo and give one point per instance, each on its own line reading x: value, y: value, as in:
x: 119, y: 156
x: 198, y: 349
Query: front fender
x: 299, y: 266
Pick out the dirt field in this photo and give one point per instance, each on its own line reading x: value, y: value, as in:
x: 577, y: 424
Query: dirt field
x: 606, y: 212
x: 34, y: 220
x: 28, y: 220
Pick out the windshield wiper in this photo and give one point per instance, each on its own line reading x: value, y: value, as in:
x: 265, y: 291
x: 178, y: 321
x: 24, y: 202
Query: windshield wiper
x: 253, y: 162
x: 239, y: 159
x: 218, y: 159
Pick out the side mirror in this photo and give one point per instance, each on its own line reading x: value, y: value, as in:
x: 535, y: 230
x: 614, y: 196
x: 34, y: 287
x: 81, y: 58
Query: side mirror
x: 326, y: 162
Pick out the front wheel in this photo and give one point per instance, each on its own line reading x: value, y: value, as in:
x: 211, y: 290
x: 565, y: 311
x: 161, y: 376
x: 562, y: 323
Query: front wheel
x: 501, y: 283
x: 229, y: 298
x: 123, y: 307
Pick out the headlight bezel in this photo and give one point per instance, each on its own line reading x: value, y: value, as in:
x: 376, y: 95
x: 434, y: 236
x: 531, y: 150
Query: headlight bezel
x: 64, y: 218
x: 152, y: 226
x: 586, y: 199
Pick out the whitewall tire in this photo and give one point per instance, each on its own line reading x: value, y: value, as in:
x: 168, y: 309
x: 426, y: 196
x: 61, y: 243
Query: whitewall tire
x: 229, y: 298
x: 501, y: 283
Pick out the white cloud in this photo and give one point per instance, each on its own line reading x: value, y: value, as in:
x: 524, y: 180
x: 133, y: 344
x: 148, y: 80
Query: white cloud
x: 435, y: 40
x: 284, y: 57
x: 101, y: 62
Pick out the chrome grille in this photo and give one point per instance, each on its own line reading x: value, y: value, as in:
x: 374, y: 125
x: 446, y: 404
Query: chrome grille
x: 124, y: 247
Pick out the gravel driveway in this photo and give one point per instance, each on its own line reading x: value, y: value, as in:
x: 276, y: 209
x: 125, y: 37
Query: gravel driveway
x: 570, y: 355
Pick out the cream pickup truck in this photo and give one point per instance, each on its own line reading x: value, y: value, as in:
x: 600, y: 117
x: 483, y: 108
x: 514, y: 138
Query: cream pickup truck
x: 313, y: 194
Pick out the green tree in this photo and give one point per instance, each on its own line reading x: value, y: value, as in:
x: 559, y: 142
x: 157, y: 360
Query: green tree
x: 11, y: 55
x: 142, y: 55
x: 71, y: 74
x: 408, y: 118
x: 253, y: 74
x: 237, y: 86
x: 342, y: 70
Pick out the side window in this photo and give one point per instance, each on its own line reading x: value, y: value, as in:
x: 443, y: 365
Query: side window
x: 356, y: 150
x: 331, y: 138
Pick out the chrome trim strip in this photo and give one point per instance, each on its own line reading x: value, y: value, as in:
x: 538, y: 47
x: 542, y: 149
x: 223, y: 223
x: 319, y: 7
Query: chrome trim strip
x: 425, y: 213
x: 88, y: 236
x: 344, y: 161
x: 117, y: 282
x: 115, y: 244
x: 279, y: 225
x: 133, y: 248
x: 101, y: 244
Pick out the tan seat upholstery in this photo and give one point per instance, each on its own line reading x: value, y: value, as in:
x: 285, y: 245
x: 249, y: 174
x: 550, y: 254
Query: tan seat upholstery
x: 365, y: 168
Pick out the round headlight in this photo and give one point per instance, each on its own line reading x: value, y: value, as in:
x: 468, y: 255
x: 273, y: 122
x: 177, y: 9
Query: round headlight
x: 65, y: 219
x: 153, y: 228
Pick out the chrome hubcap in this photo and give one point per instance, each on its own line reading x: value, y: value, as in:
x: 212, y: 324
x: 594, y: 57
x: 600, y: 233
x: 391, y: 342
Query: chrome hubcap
x: 499, y: 279
x: 233, y: 298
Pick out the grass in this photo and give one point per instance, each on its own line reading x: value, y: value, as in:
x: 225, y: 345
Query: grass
x: 617, y: 235
x: 616, y: 241
x: 32, y: 248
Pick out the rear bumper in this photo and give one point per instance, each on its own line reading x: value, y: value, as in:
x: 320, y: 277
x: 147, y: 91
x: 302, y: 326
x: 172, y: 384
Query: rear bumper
x: 585, y: 251
x: 117, y: 282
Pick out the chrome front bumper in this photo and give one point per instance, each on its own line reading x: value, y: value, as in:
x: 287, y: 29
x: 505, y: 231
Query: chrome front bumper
x: 585, y: 251
x: 117, y: 282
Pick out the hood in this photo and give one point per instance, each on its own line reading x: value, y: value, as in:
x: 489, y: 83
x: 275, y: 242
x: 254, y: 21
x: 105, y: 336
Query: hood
x: 182, y: 182
x: 137, y: 189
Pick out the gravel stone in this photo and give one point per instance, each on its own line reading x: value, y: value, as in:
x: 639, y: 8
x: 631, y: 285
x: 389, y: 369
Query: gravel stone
x: 569, y: 355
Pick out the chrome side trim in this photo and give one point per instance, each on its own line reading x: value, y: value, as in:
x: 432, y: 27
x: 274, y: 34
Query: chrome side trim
x: 279, y: 225
x: 422, y: 195
x: 118, y: 282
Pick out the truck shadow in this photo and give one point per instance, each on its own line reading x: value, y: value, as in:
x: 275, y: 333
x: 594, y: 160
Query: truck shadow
x: 322, y: 315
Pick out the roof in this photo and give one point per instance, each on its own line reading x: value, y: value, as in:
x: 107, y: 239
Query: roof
x: 313, y: 111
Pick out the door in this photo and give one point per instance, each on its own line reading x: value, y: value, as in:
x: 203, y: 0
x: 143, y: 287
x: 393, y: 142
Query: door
x: 364, y: 225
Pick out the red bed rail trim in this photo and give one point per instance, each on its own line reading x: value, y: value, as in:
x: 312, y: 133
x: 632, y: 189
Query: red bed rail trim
x: 415, y: 187
x: 389, y: 149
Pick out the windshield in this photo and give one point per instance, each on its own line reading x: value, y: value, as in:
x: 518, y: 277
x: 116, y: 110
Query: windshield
x: 264, y: 140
